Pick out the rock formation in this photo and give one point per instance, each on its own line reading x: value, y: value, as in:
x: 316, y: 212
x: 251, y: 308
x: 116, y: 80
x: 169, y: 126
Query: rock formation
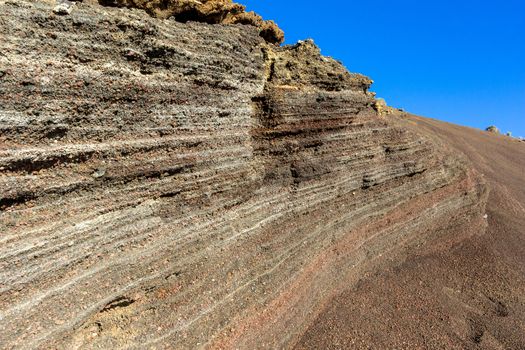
x: 208, y: 11
x: 189, y: 185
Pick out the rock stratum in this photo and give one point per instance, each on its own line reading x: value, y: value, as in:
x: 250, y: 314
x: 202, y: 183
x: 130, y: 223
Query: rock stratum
x: 191, y: 185
x: 470, y: 296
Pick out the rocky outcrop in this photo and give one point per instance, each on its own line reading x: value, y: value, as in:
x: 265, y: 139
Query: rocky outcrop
x: 187, y: 185
x: 208, y: 11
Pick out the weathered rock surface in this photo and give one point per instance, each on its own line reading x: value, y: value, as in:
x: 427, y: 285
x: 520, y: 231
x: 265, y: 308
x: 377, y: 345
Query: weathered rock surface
x: 207, y: 11
x: 170, y: 185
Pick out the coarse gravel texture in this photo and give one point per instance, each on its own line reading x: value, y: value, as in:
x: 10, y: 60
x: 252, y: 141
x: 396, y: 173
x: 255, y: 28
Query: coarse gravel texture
x: 471, y: 296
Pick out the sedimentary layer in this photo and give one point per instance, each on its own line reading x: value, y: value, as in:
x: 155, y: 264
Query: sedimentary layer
x: 188, y: 185
x: 468, y: 297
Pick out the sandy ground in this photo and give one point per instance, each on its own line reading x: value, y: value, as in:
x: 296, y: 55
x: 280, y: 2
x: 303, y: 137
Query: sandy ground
x: 468, y: 297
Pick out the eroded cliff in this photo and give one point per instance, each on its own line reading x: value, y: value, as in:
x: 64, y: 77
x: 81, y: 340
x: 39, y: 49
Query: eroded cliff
x: 186, y: 185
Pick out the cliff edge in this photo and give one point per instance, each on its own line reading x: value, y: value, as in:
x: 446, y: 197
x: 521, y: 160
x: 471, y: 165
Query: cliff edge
x: 192, y: 185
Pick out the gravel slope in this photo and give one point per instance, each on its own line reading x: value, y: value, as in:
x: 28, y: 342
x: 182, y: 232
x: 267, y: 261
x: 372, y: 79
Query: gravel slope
x: 471, y: 296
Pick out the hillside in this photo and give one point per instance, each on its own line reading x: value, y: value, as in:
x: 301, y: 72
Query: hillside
x: 175, y: 179
x: 471, y: 296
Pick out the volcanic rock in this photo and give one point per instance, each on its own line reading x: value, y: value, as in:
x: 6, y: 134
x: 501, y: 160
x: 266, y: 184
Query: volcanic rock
x: 208, y: 11
x: 189, y: 185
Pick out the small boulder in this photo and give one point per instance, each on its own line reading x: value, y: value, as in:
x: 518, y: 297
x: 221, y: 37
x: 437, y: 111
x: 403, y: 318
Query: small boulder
x: 493, y: 129
x: 98, y: 173
x: 63, y: 7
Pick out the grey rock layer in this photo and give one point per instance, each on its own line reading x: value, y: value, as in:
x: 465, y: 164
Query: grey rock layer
x: 169, y: 185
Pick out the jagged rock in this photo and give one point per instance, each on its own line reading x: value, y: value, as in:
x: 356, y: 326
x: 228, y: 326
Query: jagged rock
x: 241, y: 184
x: 302, y: 66
x: 381, y: 107
x: 208, y: 11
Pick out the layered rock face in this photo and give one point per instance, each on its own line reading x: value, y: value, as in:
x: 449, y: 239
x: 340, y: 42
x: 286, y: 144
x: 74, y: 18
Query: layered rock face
x: 207, y: 11
x: 187, y: 185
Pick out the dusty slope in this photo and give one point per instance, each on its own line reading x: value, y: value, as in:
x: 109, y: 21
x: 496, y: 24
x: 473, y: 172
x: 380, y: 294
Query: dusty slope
x: 468, y: 297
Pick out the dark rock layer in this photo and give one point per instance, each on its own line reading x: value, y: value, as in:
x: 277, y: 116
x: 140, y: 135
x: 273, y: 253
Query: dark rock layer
x: 169, y: 185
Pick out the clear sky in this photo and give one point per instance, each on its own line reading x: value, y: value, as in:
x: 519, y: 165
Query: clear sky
x: 459, y: 61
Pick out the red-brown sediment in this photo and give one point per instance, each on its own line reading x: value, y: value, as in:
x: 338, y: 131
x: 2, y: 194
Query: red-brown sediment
x: 469, y: 296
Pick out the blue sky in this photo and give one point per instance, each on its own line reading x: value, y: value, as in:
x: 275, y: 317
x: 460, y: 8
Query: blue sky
x: 459, y: 61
